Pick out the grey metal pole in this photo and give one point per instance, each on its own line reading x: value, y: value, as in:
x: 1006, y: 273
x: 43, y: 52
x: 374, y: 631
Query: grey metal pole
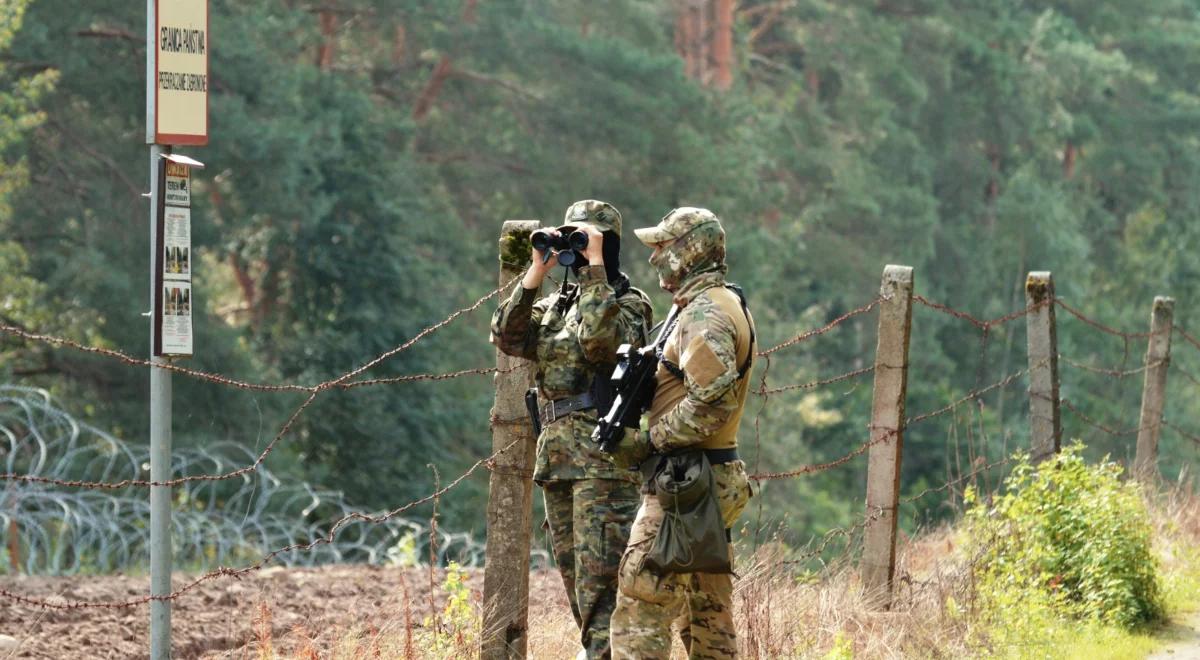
x: 160, y: 451
x: 160, y: 393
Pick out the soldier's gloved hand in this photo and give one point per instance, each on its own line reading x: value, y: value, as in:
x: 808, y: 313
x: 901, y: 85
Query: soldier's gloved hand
x: 633, y: 448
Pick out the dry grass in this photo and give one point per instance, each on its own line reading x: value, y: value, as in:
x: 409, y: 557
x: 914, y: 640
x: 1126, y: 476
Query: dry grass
x: 782, y: 612
x: 779, y: 617
x: 833, y: 616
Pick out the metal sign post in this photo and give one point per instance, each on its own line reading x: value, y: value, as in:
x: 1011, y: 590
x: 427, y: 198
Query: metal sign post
x: 176, y: 113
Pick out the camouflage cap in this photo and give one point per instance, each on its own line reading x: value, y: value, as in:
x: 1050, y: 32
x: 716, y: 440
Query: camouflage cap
x: 675, y: 224
x: 601, y: 215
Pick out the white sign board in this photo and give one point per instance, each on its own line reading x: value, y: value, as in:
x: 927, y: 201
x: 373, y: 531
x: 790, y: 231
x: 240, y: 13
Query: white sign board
x: 181, y: 72
x: 177, y: 318
x: 174, y: 263
x: 177, y: 243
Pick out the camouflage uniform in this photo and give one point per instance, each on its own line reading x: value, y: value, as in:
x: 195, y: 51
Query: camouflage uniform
x: 590, y: 503
x: 712, y: 344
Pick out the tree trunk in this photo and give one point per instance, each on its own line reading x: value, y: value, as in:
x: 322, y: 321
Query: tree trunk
x: 328, y: 32
x: 722, y: 46
x: 246, y: 284
x: 692, y: 39
x: 432, y: 88
x: 700, y: 55
x: 1069, y: 155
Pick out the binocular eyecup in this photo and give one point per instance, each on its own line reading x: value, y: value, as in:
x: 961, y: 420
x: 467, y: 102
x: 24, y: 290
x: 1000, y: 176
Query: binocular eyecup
x: 569, y: 248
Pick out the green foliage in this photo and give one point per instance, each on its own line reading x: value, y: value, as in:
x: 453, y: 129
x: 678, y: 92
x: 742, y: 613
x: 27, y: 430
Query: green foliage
x: 1065, y: 538
x: 349, y: 204
x: 455, y: 631
x: 404, y: 553
x: 842, y: 649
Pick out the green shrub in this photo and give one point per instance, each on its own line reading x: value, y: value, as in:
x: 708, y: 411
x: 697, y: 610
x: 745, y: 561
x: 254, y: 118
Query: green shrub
x: 1065, y: 537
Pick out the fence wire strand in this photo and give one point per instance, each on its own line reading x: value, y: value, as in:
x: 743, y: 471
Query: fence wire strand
x: 1098, y: 325
x: 338, y: 381
x: 237, y: 573
x: 982, y: 325
x: 809, y: 334
x: 348, y: 381
x: 1115, y: 373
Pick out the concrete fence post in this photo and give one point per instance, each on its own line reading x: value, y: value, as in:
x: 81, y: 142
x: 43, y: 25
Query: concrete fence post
x: 1154, y: 389
x: 887, y: 433
x: 1045, y: 415
x: 510, y: 488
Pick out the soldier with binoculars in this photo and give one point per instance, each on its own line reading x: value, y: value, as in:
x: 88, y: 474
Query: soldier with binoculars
x: 573, y: 335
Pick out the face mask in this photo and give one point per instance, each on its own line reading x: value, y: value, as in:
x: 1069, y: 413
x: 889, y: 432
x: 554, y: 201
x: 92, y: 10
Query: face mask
x: 666, y: 263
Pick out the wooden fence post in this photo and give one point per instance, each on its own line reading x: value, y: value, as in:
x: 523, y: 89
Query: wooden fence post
x: 1045, y: 415
x: 887, y: 433
x: 1154, y: 390
x: 510, y: 488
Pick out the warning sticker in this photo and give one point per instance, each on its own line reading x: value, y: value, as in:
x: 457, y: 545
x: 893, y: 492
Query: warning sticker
x: 178, y: 191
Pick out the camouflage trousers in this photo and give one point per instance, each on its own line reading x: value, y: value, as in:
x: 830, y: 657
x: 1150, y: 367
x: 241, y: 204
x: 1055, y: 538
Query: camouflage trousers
x: 589, y: 526
x: 699, y: 604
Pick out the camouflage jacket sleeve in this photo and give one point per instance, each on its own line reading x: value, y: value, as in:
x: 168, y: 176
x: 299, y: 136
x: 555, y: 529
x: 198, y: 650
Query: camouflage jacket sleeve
x: 708, y: 357
x: 606, y: 322
x: 515, y: 323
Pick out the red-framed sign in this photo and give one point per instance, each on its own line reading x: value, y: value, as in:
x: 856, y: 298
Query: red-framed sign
x: 181, y: 72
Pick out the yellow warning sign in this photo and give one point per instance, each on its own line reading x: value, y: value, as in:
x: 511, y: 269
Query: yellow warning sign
x: 181, y: 72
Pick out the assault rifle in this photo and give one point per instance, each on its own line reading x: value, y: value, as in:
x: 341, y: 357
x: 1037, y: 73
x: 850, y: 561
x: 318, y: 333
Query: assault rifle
x: 633, y: 382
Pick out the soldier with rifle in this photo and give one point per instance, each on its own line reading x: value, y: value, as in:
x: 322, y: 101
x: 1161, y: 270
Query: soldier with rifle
x: 678, y: 562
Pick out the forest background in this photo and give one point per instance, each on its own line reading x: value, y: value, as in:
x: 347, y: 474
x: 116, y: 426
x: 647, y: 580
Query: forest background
x: 365, y: 152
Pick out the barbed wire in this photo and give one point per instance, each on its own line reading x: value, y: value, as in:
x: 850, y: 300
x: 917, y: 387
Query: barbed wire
x: 838, y: 532
x: 972, y: 395
x: 1184, y: 372
x: 1187, y: 337
x: 983, y: 325
x: 809, y: 334
x: 1115, y: 373
x: 238, y: 573
x: 67, y: 533
x: 219, y: 379
x: 313, y: 392
x: 958, y: 480
x: 1066, y: 403
x: 1098, y: 325
x: 147, y: 483
x: 890, y: 433
x: 481, y: 371
x: 821, y: 467
x: 346, y: 381
x: 1187, y: 435
x: 763, y: 390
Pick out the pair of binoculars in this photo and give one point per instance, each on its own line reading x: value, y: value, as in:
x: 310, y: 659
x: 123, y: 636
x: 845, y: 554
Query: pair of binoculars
x: 569, y: 247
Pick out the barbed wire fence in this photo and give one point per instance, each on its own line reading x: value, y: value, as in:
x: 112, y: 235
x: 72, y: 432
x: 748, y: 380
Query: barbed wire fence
x: 102, y: 531
x: 48, y: 449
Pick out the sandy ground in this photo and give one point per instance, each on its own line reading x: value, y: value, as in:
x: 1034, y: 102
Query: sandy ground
x: 217, y: 619
x: 1186, y: 644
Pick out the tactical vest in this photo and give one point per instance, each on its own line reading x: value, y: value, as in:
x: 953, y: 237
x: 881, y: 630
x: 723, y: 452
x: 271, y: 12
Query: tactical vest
x: 670, y: 389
